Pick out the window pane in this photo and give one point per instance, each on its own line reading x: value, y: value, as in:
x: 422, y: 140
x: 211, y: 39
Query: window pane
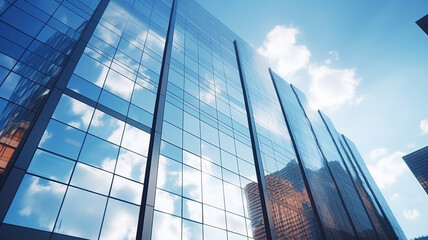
x: 192, y: 210
x: 120, y: 221
x: 91, y: 70
x: 212, y: 185
x: 106, y: 127
x: 81, y: 214
x: 169, y: 175
x: 36, y: 204
x: 191, y: 230
x: 211, y: 233
x: 131, y: 165
x: 119, y: 85
x: 192, y: 183
x: 73, y: 112
x: 51, y: 166
x: 166, y: 226
x: 136, y: 140
x: 214, y: 217
x: 127, y: 190
x: 168, y: 202
x: 62, y: 139
x: 99, y: 153
x: 90, y: 178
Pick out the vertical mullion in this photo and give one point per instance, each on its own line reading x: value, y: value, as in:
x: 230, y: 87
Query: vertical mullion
x: 264, y: 198
x: 324, y: 159
x: 145, y: 221
x: 302, y: 170
x: 357, y: 165
x: 330, y: 131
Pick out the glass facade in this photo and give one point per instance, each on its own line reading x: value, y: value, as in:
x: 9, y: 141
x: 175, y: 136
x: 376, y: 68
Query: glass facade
x: 149, y: 119
x: 417, y: 162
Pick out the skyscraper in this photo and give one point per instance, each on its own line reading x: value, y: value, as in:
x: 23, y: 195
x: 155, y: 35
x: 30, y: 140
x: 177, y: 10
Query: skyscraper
x: 418, y: 164
x: 423, y: 23
x: 149, y: 119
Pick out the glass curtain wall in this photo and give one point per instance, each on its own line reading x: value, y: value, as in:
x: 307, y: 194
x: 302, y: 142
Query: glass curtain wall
x: 86, y: 177
x: 359, y: 162
x: 289, y: 200
x: 366, y: 196
x: 206, y: 158
x: 338, y: 170
x: 327, y: 199
x: 36, y: 41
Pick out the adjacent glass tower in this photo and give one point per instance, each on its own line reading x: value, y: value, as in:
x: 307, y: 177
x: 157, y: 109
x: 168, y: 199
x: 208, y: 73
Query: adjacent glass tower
x: 149, y: 119
x: 418, y: 164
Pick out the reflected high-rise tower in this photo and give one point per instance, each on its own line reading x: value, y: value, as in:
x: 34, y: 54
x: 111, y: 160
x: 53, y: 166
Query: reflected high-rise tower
x: 149, y: 119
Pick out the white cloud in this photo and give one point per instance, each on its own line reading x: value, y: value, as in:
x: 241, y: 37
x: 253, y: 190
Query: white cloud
x: 332, y: 87
x: 284, y: 54
x: 395, y: 196
x: 424, y: 126
x: 334, y: 56
x: 386, y: 167
x: 328, y: 87
x: 411, y: 214
x: 377, y: 153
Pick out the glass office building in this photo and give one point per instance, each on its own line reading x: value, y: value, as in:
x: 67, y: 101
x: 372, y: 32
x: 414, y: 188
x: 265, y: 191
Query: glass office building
x: 149, y: 119
x: 423, y: 23
x: 418, y: 164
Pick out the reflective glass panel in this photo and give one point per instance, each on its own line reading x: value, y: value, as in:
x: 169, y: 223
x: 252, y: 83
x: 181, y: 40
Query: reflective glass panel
x: 81, y: 214
x: 36, y: 204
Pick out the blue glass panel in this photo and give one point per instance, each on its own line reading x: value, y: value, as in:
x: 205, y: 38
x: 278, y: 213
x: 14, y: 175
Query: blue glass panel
x: 192, y: 183
x: 192, y: 230
x: 136, y: 140
x: 91, y: 70
x: 22, y: 21
x: 210, y: 152
x: 91, y: 178
x: 51, y: 166
x: 7, y: 61
x: 106, y: 127
x: 131, y: 165
x: 168, y: 202
x: 62, y: 139
x: 127, y: 190
x: 166, y: 226
x: 192, y: 210
x: 73, y: 112
x: 119, y: 85
x: 84, y: 87
x: 99, y: 153
x: 172, y: 134
x: 171, y: 151
x: 120, y: 221
x: 112, y: 101
x: 191, y: 143
x: 36, y: 204
x: 14, y: 35
x: 211, y: 233
x: 75, y: 219
x: 140, y: 115
x: 212, y: 185
x: 68, y: 17
x: 192, y: 160
x: 143, y: 98
x: 169, y: 175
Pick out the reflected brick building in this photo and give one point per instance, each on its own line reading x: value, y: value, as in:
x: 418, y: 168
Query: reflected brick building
x: 150, y: 119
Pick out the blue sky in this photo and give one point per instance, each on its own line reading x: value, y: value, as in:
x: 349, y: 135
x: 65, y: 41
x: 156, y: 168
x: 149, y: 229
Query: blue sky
x: 365, y: 64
